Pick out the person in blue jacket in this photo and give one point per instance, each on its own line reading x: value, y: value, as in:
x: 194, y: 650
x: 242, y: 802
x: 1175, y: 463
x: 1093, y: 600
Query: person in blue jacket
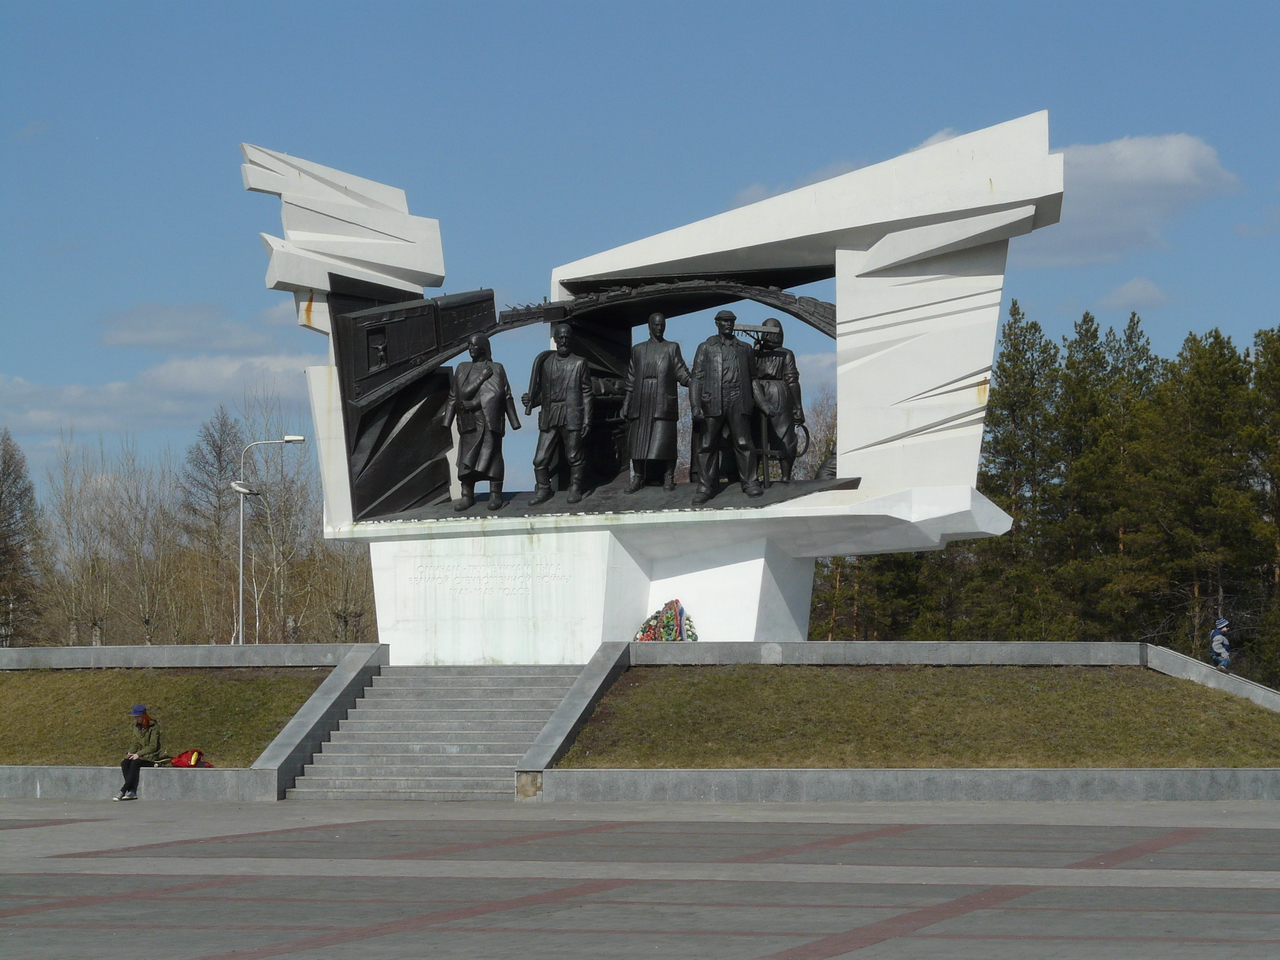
x: 1219, y: 645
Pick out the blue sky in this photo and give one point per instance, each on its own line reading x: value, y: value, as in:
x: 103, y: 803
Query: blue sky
x: 538, y: 133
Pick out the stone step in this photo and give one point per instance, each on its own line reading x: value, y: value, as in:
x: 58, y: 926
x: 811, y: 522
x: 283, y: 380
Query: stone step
x: 418, y: 729
x: 437, y: 734
x: 501, y: 670
x: 423, y: 703
x: 385, y: 767
x: 415, y: 683
x: 460, y: 714
x: 385, y: 748
x: 422, y: 796
x: 411, y: 782
x: 464, y: 693
x: 461, y: 738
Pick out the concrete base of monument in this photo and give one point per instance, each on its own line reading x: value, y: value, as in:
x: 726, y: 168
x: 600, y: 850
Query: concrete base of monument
x: 551, y: 589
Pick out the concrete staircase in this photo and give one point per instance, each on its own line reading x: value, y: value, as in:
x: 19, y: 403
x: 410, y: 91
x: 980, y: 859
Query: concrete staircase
x: 436, y: 733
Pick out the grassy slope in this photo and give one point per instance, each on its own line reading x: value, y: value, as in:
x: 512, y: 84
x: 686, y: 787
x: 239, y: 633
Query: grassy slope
x: 81, y: 717
x: 762, y: 716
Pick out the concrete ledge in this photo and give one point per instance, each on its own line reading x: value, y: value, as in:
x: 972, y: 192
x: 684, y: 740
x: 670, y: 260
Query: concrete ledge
x: 1183, y: 667
x: 557, y: 736
x: 60, y: 783
x: 294, y: 746
x: 167, y: 783
x: 830, y: 786
x: 887, y: 652
x: 154, y: 783
x: 194, y: 655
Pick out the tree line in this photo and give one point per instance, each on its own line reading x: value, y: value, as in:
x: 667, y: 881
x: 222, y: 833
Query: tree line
x: 128, y: 549
x: 1144, y: 492
x: 1145, y: 497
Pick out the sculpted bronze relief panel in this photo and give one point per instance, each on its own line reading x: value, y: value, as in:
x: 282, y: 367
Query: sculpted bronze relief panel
x: 606, y: 410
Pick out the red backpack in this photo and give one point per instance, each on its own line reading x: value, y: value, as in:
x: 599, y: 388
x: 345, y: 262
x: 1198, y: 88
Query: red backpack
x: 190, y: 758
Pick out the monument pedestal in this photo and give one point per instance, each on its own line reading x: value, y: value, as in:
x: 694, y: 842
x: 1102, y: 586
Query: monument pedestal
x: 551, y: 589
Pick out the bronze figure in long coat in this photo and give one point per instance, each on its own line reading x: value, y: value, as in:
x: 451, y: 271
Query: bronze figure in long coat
x: 777, y: 393
x: 651, y: 403
x: 480, y: 400
x: 721, y: 401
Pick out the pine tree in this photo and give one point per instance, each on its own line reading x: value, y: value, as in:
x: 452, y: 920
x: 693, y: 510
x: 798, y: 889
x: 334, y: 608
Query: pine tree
x: 1013, y: 595
x: 18, y: 532
x: 1073, y: 538
x: 1124, y: 604
x: 1200, y: 499
x: 1263, y: 650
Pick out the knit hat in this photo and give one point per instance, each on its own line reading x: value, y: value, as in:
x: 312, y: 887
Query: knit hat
x: 1221, y: 622
x: 138, y: 710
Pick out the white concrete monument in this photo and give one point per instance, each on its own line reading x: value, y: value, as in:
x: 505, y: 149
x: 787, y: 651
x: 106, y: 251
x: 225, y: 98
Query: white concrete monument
x: 917, y: 246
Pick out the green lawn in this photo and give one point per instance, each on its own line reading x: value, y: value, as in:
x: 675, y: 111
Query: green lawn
x: 81, y: 717
x: 768, y: 716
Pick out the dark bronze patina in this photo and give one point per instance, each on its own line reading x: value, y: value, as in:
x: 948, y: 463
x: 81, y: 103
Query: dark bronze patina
x: 721, y: 401
x: 481, y: 402
x: 560, y: 383
x: 397, y: 407
x: 651, y: 404
x: 776, y: 390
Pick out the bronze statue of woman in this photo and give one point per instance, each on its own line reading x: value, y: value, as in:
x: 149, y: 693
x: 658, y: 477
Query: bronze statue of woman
x: 480, y: 398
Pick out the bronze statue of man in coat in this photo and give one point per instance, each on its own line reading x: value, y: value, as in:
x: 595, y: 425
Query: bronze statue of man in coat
x: 560, y: 383
x: 651, y: 404
x: 720, y: 400
x: 480, y: 399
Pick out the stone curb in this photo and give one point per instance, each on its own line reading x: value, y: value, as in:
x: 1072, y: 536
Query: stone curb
x: 354, y: 666
x: 1183, y: 667
x: 179, y: 655
x: 853, y: 786
x: 956, y: 653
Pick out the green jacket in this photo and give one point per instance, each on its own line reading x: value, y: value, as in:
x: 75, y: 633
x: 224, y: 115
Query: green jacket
x: 146, y: 743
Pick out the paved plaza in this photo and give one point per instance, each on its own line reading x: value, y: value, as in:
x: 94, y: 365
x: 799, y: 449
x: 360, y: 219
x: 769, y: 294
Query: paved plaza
x: 318, y: 880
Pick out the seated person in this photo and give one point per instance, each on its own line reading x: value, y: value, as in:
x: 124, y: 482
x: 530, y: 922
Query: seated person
x: 144, y: 751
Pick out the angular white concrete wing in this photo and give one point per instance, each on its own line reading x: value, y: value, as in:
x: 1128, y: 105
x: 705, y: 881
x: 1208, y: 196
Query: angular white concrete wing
x: 336, y: 223
x: 917, y: 245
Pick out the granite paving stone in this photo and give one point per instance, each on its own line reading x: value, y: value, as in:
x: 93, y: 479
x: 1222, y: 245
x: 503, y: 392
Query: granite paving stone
x: 307, y: 880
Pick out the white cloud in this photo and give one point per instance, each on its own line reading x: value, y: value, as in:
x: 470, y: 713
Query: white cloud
x: 178, y: 392
x: 181, y: 327
x: 1119, y: 195
x: 817, y: 370
x: 942, y: 136
x: 758, y: 191
x: 1138, y: 294
x: 283, y: 314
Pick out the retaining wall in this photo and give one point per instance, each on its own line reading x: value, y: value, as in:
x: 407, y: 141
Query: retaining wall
x: 354, y: 666
x: 537, y: 780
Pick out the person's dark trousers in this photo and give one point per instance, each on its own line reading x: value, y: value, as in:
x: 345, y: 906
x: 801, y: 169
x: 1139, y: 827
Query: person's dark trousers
x: 743, y: 451
x: 130, y: 770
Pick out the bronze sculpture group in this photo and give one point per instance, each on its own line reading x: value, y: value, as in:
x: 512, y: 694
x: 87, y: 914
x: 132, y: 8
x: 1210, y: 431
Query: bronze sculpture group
x: 728, y: 383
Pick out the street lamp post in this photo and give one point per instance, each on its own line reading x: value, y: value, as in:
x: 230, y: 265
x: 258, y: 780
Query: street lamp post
x: 244, y: 490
